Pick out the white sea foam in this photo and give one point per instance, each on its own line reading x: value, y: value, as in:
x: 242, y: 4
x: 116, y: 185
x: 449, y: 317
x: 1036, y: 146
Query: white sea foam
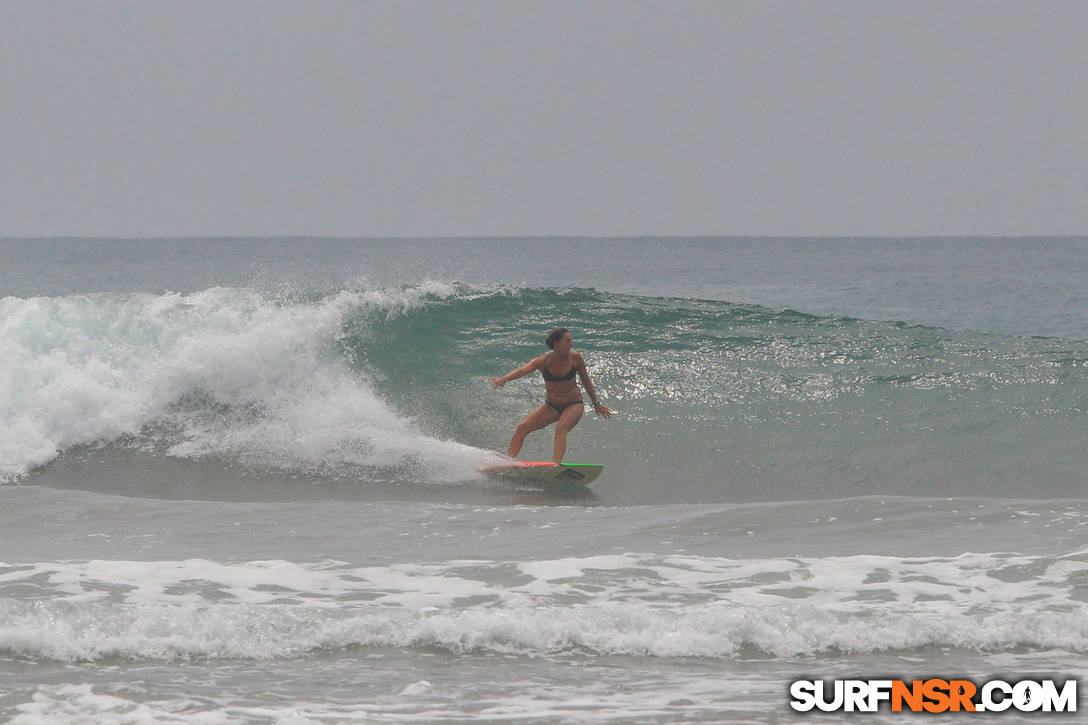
x: 705, y: 697
x: 229, y: 371
x: 672, y: 606
x: 82, y: 705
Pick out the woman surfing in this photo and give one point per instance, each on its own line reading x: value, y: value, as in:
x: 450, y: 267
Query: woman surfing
x: 563, y: 404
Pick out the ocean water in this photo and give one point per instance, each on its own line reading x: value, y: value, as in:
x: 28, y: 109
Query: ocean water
x: 239, y: 478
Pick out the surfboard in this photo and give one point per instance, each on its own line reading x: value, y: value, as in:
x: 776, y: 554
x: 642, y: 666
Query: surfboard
x: 546, y: 472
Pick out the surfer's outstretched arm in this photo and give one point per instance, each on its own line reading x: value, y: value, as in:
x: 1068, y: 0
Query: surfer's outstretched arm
x: 521, y: 372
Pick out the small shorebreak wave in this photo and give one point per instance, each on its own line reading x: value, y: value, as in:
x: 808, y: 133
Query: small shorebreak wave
x: 629, y: 604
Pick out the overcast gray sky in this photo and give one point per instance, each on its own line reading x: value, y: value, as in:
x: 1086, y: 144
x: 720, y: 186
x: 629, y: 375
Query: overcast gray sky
x: 260, y: 117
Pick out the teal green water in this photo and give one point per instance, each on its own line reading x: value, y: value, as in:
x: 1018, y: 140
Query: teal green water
x: 734, y: 402
x: 715, y: 401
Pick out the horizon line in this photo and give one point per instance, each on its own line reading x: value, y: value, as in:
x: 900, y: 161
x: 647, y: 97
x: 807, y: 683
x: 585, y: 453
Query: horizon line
x: 170, y: 237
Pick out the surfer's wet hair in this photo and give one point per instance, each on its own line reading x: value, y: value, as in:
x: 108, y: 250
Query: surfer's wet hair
x: 555, y: 336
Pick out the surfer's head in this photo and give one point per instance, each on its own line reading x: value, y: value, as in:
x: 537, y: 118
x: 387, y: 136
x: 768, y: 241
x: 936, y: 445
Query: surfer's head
x: 556, y: 336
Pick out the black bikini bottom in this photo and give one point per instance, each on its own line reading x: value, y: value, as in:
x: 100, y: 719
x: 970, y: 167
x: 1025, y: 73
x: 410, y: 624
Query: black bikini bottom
x: 560, y: 407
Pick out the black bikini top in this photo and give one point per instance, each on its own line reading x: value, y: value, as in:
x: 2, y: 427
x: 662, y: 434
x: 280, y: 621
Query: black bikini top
x: 557, y: 378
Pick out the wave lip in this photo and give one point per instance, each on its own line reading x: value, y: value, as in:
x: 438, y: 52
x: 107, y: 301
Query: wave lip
x: 223, y: 372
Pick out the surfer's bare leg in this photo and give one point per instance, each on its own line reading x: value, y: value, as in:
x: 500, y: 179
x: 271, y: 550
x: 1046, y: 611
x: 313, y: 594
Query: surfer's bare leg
x: 542, y: 416
x: 567, y: 420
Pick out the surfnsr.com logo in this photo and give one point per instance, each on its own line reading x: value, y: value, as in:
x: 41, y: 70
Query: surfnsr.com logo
x: 933, y: 695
